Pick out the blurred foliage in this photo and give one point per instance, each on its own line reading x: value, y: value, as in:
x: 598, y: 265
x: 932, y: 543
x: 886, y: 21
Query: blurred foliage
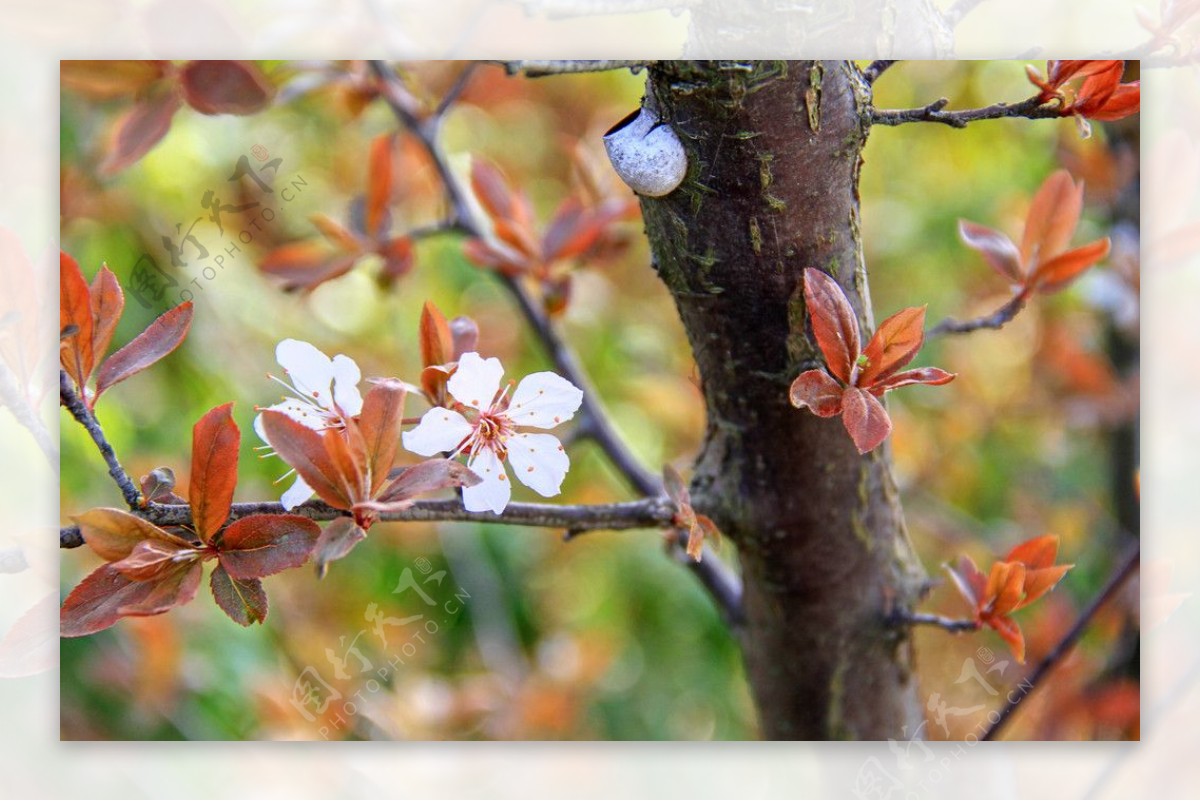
x: 605, y: 637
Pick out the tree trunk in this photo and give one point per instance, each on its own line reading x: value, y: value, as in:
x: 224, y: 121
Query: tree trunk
x: 774, y: 151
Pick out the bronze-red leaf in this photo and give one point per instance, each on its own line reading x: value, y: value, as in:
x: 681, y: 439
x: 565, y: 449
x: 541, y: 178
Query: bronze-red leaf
x: 215, y: 440
x: 159, y: 339
x: 243, y: 600
x: 262, y: 545
x: 833, y: 321
x: 224, y: 87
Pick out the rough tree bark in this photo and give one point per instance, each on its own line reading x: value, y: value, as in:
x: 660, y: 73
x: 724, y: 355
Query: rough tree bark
x: 774, y: 154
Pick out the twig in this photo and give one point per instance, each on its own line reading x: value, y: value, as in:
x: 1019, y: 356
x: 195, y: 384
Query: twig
x: 996, y: 319
x: 1015, y: 698
x: 83, y: 415
x: 460, y: 84
x: 923, y: 618
x: 539, y: 69
x: 645, y: 513
x: 17, y: 403
x: 1031, y: 109
x: 955, y: 13
x: 876, y: 68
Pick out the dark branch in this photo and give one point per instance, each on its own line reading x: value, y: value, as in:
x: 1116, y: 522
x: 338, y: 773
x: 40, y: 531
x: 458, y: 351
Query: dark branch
x: 1127, y: 568
x: 876, y: 68
x: 923, y: 618
x: 1031, y: 109
x: 84, y: 416
x: 996, y: 319
x: 645, y: 513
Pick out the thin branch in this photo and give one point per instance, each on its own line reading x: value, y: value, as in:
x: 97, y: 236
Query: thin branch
x: 876, y: 68
x: 460, y: 84
x: 84, y: 416
x: 996, y: 319
x: 955, y: 13
x: 645, y: 513
x: 1015, y: 698
x: 1031, y: 109
x: 721, y: 582
x: 539, y: 69
x: 17, y: 403
x: 923, y: 618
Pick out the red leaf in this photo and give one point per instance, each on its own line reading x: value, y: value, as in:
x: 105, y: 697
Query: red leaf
x: 105, y: 596
x: 305, y: 265
x: 997, y: 249
x: 224, y: 87
x: 113, y: 533
x: 382, y: 411
x: 75, y: 311
x: 1005, y: 588
x: 1008, y: 629
x: 337, y: 540
x: 105, y: 80
x: 1124, y: 101
x: 818, y: 391
x: 1052, y: 217
x: 492, y: 190
x: 335, y: 233
x: 922, y: 375
x: 108, y: 301
x: 676, y: 489
x: 833, y: 321
x: 159, y: 339
x: 428, y: 476
x: 158, y: 486
x: 140, y: 129
x: 1055, y: 274
x: 29, y: 646
x: 305, y: 450
x: 379, y: 182
x: 1036, y: 553
x: 398, y: 257
x: 969, y: 581
x: 894, y: 345
x: 215, y: 440
x: 572, y: 232
x: 262, y: 545
x: 434, y: 336
x: 243, y: 600
x: 865, y: 419
x: 153, y: 559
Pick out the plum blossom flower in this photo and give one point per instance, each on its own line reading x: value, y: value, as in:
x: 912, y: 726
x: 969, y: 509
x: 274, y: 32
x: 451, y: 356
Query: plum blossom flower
x: 324, y: 394
x: 490, y: 436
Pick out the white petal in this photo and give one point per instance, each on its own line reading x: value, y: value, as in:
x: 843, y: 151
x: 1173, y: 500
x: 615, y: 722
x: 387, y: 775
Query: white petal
x: 543, y: 400
x: 539, y: 462
x: 296, y: 494
x: 493, y: 492
x: 346, y: 376
x: 439, y: 430
x: 309, y: 370
x: 258, y: 429
x: 476, y: 380
x: 303, y: 413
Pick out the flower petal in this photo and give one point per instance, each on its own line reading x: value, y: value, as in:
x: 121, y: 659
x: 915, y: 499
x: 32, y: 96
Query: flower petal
x: 310, y: 370
x: 543, y: 400
x: 346, y: 376
x: 476, y: 380
x: 493, y: 490
x: 539, y: 462
x: 817, y: 390
x: 440, y: 430
x: 296, y: 494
